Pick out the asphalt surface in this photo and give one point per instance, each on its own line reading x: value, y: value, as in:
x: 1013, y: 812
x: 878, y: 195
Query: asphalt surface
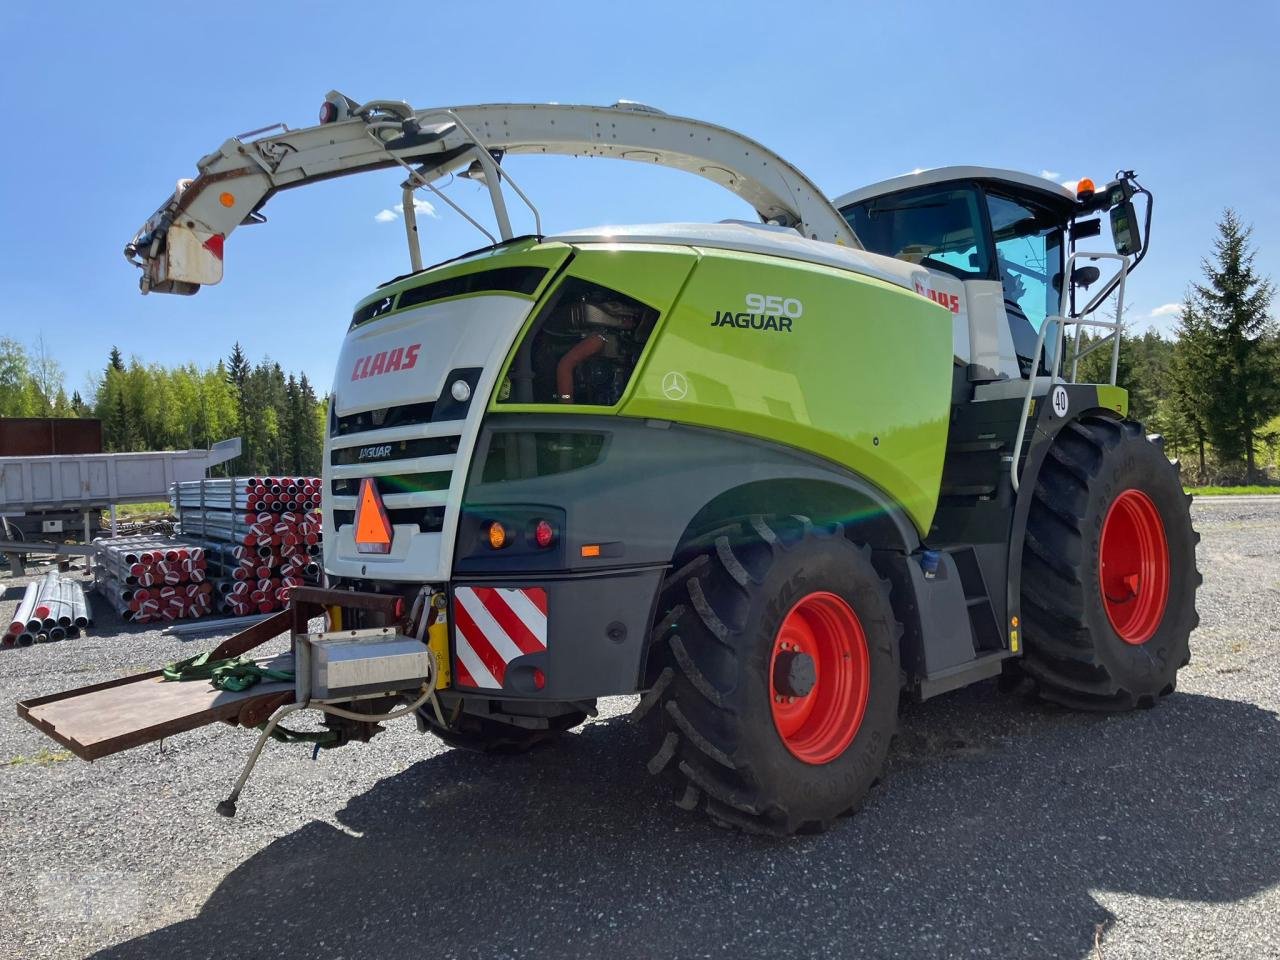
x: 1004, y: 828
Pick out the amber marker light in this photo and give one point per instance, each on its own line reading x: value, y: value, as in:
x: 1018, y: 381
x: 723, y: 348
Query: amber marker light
x: 591, y: 550
x: 227, y: 199
x: 497, y: 535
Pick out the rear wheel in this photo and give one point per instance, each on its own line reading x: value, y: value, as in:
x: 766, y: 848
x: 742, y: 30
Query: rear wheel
x: 779, y: 692
x: 1108, y: 572
x: 486, y: 735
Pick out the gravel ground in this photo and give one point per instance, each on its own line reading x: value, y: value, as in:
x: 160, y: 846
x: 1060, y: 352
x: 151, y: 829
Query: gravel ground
x: 1004, y: 828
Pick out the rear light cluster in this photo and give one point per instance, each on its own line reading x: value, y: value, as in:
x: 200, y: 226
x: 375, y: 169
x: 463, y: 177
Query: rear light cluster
x: 540, y: 533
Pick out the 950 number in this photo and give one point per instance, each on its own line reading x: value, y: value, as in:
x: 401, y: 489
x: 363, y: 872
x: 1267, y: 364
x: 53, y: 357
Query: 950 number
x: 775, y: 306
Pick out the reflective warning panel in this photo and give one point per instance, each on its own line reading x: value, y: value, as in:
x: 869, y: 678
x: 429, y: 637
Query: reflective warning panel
x: 492, y: 627
x: 373, y: 527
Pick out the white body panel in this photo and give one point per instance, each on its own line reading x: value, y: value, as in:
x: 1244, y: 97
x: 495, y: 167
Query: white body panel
x: 754, y: 238
x: 473, y: 331
x: 991, y: 341
x: 924, y: 178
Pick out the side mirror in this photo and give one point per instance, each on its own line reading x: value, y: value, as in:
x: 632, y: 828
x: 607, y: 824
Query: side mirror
x: 1085, y: 276
x: 1124, y: 228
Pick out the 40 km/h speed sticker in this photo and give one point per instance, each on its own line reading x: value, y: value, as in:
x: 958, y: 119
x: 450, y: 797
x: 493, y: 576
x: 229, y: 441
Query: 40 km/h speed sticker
x: 1060, y: 402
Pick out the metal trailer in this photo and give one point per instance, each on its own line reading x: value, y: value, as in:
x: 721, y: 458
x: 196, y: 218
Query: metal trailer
x: 45, y: 496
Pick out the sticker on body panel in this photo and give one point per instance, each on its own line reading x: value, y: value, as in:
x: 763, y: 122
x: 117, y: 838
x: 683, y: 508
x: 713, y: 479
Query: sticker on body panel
x: 492, y: 627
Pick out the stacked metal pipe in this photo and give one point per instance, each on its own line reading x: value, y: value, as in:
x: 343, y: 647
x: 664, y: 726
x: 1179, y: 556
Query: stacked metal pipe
x: 149, y: 578
x: 52, y: 608
x: 261, y: 537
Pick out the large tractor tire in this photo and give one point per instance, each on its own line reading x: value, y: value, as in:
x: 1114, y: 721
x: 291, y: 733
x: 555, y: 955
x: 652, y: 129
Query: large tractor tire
x: 1108, y: 570
x: 779, y: 689
x: 485, y: 735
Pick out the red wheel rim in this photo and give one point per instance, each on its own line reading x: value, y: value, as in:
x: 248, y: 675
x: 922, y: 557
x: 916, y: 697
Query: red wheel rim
x: 819, y: 726
x: 1133, y: 567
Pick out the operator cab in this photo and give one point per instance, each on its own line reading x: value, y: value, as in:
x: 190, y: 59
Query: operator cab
x: 993, y: 242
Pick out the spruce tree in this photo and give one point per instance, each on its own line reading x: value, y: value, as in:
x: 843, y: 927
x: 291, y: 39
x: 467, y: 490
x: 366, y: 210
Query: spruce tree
x: 310, y: 428
x: 1192, y: 372
x: 1242, y: 372
x: 238, y: 370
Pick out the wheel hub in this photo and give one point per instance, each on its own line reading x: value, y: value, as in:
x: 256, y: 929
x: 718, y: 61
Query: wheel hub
x: 1133, y: 567
x: 819, y: 678
x: 794, y: 673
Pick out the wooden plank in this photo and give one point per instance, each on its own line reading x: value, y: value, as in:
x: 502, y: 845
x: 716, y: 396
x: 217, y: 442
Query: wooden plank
x: 381, y: 602
x: 105, y: 718
x: 253, y: 636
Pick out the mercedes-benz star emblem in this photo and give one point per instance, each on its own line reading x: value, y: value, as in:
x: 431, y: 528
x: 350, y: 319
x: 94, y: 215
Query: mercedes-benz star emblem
x: 675, y: 386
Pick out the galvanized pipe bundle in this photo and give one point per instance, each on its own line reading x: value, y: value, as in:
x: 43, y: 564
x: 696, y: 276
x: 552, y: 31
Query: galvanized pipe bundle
x: 52, y: 608
x: 256, y: 494
x: 260, y: 537
x: 150, y: 578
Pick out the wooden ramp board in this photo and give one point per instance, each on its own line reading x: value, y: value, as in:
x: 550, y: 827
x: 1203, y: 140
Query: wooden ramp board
x: 106, y: 718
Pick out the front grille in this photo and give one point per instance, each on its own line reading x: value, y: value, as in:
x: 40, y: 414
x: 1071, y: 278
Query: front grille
x: 428, y: 519
x: 381, y: 419
x: 375, y: 453
x: 523, y: 280
x: 397, y: 483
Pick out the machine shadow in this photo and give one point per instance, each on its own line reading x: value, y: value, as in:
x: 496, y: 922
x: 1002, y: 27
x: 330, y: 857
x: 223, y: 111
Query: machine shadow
x: 996, y: 821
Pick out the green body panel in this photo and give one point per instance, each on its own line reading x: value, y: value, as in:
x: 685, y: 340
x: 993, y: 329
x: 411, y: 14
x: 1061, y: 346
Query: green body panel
x: 1113, y: 398
x: 861, y: 377
x: 521, y: 253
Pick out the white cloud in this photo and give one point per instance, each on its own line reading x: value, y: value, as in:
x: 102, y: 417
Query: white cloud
x: 1050, y: 174
x: 1165, y: 310
x: 420, y: 206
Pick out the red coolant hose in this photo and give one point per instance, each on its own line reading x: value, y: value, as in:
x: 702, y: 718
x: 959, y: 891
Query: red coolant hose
x: 569, y: 363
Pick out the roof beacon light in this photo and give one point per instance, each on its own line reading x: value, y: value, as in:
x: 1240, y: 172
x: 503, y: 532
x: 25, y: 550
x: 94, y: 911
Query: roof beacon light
x: 1084, y: 188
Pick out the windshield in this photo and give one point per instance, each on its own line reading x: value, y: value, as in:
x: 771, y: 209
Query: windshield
x: 938, y: 227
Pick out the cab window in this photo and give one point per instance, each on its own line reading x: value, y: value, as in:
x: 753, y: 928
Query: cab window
x: 1028, y: 243
x: 940, y: 228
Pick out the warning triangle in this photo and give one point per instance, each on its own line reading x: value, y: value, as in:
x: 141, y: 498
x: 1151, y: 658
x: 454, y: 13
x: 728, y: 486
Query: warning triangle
x: 373, y: 527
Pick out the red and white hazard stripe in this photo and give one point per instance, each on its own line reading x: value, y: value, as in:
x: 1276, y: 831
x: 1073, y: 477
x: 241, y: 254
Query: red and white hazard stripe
x: 492, y: 627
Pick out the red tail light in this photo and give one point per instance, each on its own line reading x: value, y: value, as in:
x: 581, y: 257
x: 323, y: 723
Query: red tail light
x: 544, y: 534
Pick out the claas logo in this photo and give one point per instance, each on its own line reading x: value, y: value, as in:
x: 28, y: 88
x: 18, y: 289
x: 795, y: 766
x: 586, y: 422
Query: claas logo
x: 386, y: 361
x: 948, y: 300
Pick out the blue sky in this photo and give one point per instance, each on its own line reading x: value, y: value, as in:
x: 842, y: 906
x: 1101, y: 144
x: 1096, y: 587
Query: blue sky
x: 109, y: 104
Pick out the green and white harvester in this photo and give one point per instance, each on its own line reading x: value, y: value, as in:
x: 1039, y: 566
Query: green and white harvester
x: 773, y: 476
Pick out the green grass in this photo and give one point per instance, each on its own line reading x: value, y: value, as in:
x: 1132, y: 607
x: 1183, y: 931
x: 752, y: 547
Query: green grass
x: 1232, y: 491
x: 127, y: 511
x: 44, y: 758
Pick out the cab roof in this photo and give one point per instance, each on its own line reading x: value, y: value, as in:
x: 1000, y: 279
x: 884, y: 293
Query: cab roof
x: 924, y: 178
